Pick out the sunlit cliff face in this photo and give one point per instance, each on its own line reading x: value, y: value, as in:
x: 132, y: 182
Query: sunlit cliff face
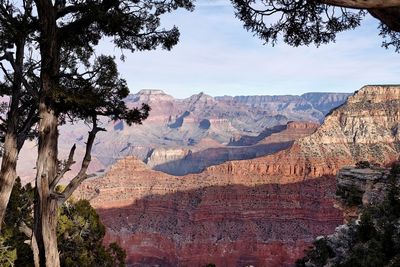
x: 264, y: 211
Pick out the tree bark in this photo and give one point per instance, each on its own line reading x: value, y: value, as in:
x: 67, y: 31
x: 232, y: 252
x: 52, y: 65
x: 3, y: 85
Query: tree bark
x: 8, y: 172
x: 388, y: 16
x: 45, y: 221
x: 45, y: 218
x: 23, y: 228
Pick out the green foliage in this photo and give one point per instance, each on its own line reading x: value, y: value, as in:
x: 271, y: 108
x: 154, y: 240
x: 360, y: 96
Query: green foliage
x: 304, y: 22
x: 298, y: 22
x: 100, y: 93
x: 8, y: 254
x: 80, y: 234
x: 351, y: 196
x: 368, y: 254
x: 90, y: 85
x: 319, y: 255
x: 366, y: 228
x: 19, y: 210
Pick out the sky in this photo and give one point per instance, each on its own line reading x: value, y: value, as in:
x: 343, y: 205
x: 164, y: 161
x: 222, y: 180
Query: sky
x: 217, y: 56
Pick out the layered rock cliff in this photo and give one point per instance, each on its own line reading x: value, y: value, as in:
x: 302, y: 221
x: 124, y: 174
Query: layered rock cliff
x: 194, y: 220
x: 261, y: 212
x: 366, y: 128
x: 183, y: 161
x: 195, y: 123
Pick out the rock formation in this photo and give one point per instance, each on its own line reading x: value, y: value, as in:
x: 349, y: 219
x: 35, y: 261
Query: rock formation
x: 183, y: 161
x: 369, y: 199
x: 366, y: 128
x: 261, y: 212
x: 177, y: 126
x: 194, y: 220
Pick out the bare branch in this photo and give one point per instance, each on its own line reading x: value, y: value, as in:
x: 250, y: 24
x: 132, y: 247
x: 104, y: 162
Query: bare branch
x: 81, y: 176
x: 6, y: 73
x: 66, y: 168
x: 23, y: 228
x: 29, y: 88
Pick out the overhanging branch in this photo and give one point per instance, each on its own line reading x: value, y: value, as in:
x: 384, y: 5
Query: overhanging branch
x: 362, y: 4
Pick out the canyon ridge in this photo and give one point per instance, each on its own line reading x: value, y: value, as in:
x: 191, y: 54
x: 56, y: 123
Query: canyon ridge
x: 180, y: 132
x: 262, y: 211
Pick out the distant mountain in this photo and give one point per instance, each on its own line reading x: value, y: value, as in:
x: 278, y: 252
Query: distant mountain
x: 309, y: 106
x: 181, y: 126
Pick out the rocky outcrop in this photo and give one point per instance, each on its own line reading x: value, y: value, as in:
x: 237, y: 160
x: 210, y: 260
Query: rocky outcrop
x: 360, y: 187
x: 369, y: 199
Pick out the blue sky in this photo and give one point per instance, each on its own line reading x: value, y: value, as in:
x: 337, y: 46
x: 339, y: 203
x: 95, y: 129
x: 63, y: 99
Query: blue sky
x: 217, y: 56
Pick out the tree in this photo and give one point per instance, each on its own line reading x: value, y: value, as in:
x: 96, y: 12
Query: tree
x: 66, y: 33
x: 302, y: 22
x: 74, y: 29
x: 17, y: 86
x: 80, y: 234
x: 18, y: 219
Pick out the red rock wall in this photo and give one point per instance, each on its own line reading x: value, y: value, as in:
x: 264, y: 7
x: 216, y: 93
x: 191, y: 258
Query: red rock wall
x: 262, y: 212
x: 231, y: 225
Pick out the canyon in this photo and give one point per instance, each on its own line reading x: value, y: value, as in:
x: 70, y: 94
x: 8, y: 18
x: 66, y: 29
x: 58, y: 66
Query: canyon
x: 262, y: 211
x: 179, y: 133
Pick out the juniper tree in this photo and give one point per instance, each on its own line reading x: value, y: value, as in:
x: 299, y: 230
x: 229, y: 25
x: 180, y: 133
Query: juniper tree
x: 19, y: 111
x: 302, y: 22
x: 80, y: 233
x: 66, y: 34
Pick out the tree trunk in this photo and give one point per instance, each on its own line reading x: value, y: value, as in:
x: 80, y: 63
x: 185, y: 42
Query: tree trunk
x: 8, y: 172
x: 45, y: 219
x: 45, y: 222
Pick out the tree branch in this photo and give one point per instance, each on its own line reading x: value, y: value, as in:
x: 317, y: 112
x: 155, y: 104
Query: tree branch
x: 388, y: 16
x: 9, y: 78
x: 63, y: 11
x: 66, y: 168
x: 81, y: 176
x: 31, y: 119
x: 362, y: 4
